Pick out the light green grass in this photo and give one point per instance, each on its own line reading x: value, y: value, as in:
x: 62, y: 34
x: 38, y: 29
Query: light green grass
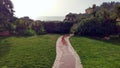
x: 28, y: 52
x: 97, y: 53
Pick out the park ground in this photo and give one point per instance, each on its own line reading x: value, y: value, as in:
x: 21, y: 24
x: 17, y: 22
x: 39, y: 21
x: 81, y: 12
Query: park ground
x: 40, y: 52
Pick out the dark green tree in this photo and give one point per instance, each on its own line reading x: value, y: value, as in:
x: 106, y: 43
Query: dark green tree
x: 94, y: 10
x: 117, y: 10
x: 6, y: 14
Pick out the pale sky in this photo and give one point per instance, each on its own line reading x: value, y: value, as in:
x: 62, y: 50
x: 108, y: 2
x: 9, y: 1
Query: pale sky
x: 37, y: 8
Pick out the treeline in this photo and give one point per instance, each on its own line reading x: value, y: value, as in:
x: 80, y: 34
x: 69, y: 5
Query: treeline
x: 100, y: 21
x: 96, y: 27
x: 58, y: 27
x: 27, y: 27
x: 24, y: 26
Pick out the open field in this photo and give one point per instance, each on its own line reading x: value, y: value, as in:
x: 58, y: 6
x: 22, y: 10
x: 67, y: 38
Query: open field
x: 97, y: 53
x: 28, y: 52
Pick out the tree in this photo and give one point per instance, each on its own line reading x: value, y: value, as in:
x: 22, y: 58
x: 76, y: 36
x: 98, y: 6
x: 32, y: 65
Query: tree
x: 117, y: 10
x: 105, y: 13
x: 6, y: 14
x: 90, y: 27
x: 23, y: 24
x: 94, y: 10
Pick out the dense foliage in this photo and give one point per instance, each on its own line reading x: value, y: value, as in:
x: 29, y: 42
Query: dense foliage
x: 100, y: 22
x: 89, y: 27
x: 59, y: 27
x: 96, y: 27
x: 26, y: 26
x: 6, y: 15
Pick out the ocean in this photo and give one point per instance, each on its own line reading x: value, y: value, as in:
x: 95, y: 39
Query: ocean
x: 51, y: 18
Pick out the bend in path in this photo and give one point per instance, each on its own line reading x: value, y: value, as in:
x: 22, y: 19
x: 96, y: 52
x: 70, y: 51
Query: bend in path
x: 66, y: 56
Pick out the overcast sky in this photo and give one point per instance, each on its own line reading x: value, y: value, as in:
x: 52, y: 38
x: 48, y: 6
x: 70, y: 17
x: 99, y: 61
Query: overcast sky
x: 37, y: 8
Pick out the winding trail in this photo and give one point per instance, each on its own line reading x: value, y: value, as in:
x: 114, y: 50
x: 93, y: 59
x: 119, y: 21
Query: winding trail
x: 66, y: 56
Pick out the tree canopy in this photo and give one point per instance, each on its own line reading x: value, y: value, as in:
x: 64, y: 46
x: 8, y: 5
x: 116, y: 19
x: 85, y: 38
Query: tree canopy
x: 6, y: 14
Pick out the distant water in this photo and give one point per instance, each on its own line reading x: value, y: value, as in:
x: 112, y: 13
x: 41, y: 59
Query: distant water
x: 51, y: 18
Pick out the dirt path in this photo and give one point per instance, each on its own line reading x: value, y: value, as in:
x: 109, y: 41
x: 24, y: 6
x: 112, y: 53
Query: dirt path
x: 66, y: 56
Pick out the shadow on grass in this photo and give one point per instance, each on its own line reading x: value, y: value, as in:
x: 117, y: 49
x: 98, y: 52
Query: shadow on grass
x: 4, y: 46
x: 112, y: 40
x: 115, y: 41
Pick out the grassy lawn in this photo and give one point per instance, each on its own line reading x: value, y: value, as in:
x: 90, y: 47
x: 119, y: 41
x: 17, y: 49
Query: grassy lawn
x: 28, y: 52
x: 97, y: 53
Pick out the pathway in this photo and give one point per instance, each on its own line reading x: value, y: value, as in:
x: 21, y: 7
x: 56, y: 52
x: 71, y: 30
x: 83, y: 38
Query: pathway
x: 66, y: 56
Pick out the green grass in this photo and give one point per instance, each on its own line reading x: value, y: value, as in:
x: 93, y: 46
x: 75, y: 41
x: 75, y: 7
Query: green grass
x: 97, y: 53
x: 28, y: 52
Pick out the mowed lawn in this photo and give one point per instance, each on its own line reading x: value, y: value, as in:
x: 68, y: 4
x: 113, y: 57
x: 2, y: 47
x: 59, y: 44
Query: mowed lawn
x: 28, y: 52
x: 97, y: 53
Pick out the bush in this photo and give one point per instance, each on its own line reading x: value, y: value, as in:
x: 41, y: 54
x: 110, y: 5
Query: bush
x: 29, y: 32
x: 109, y: 27
x: 39, y: 28
x: 59, y: 27
x: 89, y: 27
x: 96, y: 27
x: 41, y: 31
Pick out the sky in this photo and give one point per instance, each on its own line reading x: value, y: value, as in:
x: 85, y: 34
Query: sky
x: 37, y: 8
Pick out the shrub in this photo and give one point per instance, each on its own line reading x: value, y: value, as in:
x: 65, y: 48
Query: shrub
x: 59, y: 27
x: 109, y: 27
x: 96, y: 27
x: 39, y: 28
x: 41, y: 31
x: 29, y: 32
x: 89, y: 27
